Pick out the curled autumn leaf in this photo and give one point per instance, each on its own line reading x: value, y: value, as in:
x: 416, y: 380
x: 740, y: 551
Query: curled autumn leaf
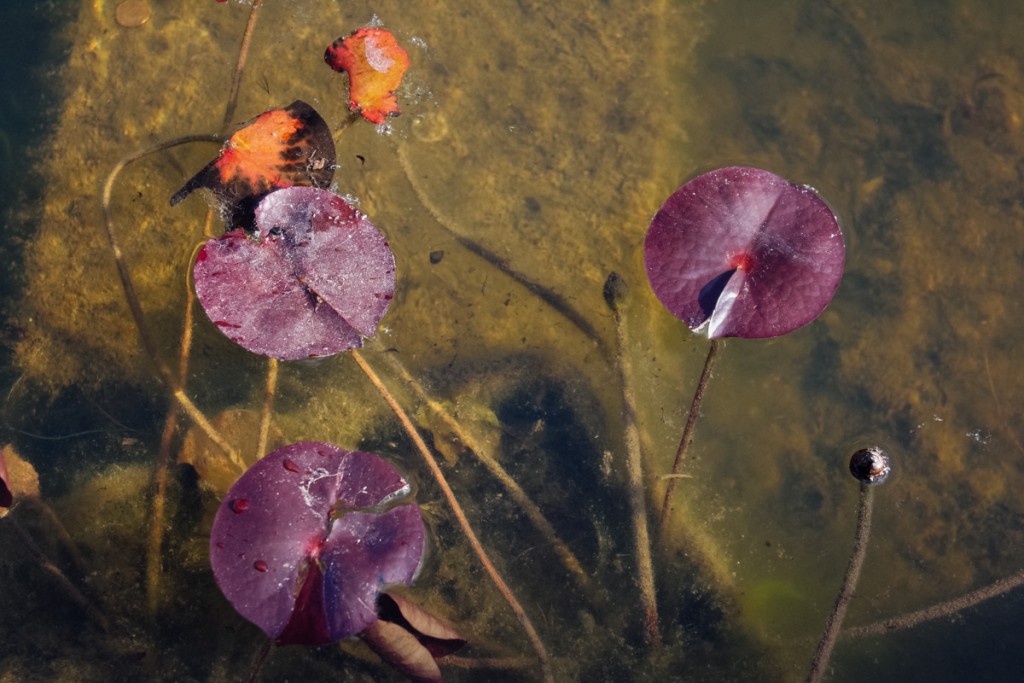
x: 375, y: 64
x: 290, y: 147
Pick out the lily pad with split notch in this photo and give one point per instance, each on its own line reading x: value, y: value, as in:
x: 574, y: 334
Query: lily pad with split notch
x: 308, y: 537
x: 314, y: 280
x: 745, y: 252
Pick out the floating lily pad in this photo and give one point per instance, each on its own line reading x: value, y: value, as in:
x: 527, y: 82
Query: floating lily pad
x: 375, y: 64
x: 307, y: 538
x: 745, y: 252
x: 315, y: 279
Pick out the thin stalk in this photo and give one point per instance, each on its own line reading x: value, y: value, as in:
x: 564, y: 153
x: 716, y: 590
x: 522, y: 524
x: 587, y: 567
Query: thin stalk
x: 943, y: 609
x: 614, y: 294
x: 243, y: 54
x: 347, y: 122
x: 148, y: 344
x: 529, y: 508
x: 549, y: 296
x: 268, y: 407
x: 835, y: 620
x: 70, y: 590
x: 460, y: 515
x: 684, y: 441
x: 154, y: 564
x: 154, y: 556
x: 41, y: 507
x: 259, y: 661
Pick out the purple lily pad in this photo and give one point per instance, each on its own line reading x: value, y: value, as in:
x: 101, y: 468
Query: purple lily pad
x: 315, y: 279
x: 746, y: 252
x: 308, y: 537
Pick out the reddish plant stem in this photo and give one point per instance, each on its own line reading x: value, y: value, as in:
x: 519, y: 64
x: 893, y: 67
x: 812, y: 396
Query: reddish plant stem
x: 687, y: 438
x: 943, y: 609
x: 849, y: 585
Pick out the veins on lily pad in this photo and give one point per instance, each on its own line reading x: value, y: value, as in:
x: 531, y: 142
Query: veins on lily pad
x: 292, y: 565
x: 314, y: 280
x: 745, y: 252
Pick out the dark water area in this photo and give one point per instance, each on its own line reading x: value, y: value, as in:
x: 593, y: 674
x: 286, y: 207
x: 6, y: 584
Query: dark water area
x: 535, y: 144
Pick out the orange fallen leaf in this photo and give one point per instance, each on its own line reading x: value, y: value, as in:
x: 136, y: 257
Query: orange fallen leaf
x: 279, y: 148
x: 375, y: 64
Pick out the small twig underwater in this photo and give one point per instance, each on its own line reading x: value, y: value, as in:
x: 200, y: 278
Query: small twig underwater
x: 687, y: 438
x: 870, y: 466
x: 614, y: 295
x: 460, y: 515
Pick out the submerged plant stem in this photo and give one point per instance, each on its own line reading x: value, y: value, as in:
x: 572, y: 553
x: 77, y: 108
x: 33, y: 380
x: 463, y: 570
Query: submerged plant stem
x: 528, y: 507
x: 849, y: 585
x: 460, y: 515
x: 148, y: 344
x: 614, y: 293
x: 243, y: 54
x: 268, y: 407
x: 943, y: 609
x: 54, y: 571
x: 545, y: 294
x: 684, y: 441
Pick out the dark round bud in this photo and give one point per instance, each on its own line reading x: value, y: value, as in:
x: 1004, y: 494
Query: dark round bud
x: 870, y: 465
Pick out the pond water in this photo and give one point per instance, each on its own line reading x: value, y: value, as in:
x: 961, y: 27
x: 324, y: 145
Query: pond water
x: 536, y: 141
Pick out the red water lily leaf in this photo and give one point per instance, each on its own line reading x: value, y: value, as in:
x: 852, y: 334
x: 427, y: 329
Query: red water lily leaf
x: 313, y: 281
x: 745, y: 252
x: 402, y: 651
x: 375, y: 64
x: 279, y: 148
x: 305, y: 540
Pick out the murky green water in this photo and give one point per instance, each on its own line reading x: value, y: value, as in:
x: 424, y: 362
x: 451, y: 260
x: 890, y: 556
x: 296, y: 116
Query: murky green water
x: 535, y: 143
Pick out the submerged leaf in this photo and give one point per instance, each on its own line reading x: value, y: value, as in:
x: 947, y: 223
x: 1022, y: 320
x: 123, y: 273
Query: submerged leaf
x: 746, y: 252
x: 6, y: 495
x: 307, y: 537
x: 439, y: 637
x: 315, y: 280
x: 375, y: 64
x: 401, y: 650
x: 18, y: 479
x: 279, y: 148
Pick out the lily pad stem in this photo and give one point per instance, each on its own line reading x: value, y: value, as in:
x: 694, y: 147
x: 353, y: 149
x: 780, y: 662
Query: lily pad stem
x: 835, y: 619
x: 939, y: 611
x: 687, y: 438
x: 148, y: 345
x: 529, y: 508
x: 243, y: 54
x: 460, y: 515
